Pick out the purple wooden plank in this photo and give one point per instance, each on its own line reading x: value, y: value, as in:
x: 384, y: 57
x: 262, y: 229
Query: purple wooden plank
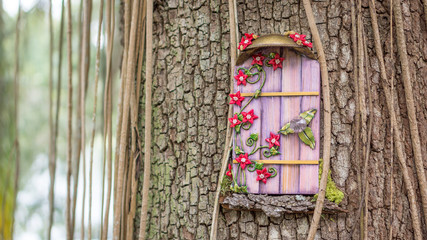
x: 309, y: 174
x: 255, y: 104
x: 291, y: 82
x: 236, y: 109
x: 270, y: 120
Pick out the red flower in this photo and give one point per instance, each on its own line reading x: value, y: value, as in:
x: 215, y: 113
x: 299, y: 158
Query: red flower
x: 258, y: 59
x: 246, y: 41
x: 250, y: 36
x: 243, y: 160
x: 234, y: 121
x: 241, y: 78
x: 307, y: 44
x: 276, y: 62
x: 296, y: 36
x: 228, y: 173
x: 263, y: 175
x: 273, y: 140
x: 236, y: 98
x: 249, y: 116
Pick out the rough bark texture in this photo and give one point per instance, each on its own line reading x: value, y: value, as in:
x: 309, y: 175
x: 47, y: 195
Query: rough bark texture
x: 191, y: 85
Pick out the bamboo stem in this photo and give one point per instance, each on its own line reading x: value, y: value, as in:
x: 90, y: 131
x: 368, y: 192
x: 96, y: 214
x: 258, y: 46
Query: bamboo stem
x: 326, y: 120
x: 393, y: 118
x: 409, y: 97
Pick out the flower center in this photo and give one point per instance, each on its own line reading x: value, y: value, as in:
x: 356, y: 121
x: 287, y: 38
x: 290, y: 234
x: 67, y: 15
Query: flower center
x: 257, y: 58
x: 273, y: 140
x: 234, y: 121
x: 277, y: 61
x: 261, y: 176
x: 248, y: 116
x: 235, y: 98
x: 297, y: 36
x: 241, y: 78
x: 246, y: 41
x: 243, y: 160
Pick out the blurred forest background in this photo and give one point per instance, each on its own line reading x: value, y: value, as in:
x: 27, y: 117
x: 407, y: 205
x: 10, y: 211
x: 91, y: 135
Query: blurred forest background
x: 32, y: 200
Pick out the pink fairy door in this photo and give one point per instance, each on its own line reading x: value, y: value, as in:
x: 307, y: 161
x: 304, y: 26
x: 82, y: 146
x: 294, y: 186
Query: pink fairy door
x: 276, y: 123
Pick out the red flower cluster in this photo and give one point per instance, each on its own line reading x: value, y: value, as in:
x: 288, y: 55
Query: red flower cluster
x: 263, y: 175
x: 299, y: 39
x: 276, y: 61
x: 236, y: 98
x: 243, y: 160
x: 234, y: 121
x: 273, y: 140
x: 258, y: 59
x: 228, y: 173
x: 241, y: 78
x: 246, y: 41
x: 249, y: 116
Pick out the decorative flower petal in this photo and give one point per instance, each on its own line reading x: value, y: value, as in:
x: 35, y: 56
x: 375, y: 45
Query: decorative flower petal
x: 241, y: 78
x: 273, y: 140
x: 258, y: 59
x: 243, y: 160
x: 249, y: 116
x: 234, y: 121
x: 228, y: 173
x: 276, y: 61
x: 236, y: 98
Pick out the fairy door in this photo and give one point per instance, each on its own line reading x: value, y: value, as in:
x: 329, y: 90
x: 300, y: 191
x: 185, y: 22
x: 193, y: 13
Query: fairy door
x: 276, y: 122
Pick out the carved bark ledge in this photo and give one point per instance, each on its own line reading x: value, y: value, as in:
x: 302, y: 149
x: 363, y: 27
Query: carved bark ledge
x: 275, y: 206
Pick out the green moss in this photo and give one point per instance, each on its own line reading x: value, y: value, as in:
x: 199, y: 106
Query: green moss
x: 333, y: 194
x: 225, y: 185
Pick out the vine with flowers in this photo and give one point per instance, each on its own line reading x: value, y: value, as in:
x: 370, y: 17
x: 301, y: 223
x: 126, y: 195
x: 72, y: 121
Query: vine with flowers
x: 243, y: 120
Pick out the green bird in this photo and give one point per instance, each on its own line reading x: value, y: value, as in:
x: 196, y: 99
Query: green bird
x: 300, y: 125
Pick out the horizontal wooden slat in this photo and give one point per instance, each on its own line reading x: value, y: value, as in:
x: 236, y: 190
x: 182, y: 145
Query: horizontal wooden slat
x: 287, y: 162
x: 281, y: 94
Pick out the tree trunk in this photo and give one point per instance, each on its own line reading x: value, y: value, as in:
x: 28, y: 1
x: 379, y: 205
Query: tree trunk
x: 190, y: 102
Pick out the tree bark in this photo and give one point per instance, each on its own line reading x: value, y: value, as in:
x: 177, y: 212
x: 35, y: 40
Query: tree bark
x: 190, y: 90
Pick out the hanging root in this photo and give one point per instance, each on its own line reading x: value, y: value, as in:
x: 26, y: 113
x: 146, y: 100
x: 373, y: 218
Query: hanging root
x: 147, y: 140
x: 409, y: 97
x: 390, y: 235
x: 326, y: 120
x: 397, y: 134
x: 70, y: 122
x: 233, y: 54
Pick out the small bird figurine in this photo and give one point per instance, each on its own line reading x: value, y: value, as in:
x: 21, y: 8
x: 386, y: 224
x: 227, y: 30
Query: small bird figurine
x: 300, y: 125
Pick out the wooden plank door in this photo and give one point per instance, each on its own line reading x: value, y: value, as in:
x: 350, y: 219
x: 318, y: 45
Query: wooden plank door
x: 298, y: 74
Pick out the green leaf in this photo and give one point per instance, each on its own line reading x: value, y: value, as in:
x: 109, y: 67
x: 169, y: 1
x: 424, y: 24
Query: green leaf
x: 259, y: 166
x: 307, y: 137
x: 285, y: 130
x: 238, y: 128
x: 254, y: 136
x: 274, y: 151
x: 308, y: 115
x: 240, y: 117
x: 238, y: 151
